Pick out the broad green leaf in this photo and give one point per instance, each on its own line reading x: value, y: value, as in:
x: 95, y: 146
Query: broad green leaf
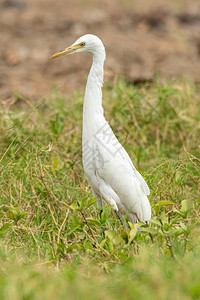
x: 133, y: 233
x: 114, y: 237
x: 163, y: 203
x: 184, y: 205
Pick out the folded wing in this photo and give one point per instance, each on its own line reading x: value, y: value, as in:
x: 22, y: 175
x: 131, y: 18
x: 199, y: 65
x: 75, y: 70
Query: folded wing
x: 119, y: 181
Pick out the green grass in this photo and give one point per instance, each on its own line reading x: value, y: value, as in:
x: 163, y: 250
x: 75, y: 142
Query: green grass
x: 51, y: 240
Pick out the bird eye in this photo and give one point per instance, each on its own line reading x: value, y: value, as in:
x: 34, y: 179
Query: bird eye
x: 82, y: 44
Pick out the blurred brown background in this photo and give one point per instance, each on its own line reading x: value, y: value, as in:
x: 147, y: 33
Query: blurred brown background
x: 141, y: 38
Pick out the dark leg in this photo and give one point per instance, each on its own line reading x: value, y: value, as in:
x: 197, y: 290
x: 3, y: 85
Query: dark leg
x: 103, y: 229
x: 119, y: 216
x: 121, y: 220
x: 100, y: 213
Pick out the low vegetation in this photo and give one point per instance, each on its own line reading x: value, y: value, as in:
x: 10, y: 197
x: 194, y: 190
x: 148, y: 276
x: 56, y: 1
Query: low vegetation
x: 53, y: 245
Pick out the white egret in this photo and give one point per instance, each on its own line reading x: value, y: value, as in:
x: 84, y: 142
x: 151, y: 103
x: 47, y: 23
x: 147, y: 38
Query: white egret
x: 108, y: 168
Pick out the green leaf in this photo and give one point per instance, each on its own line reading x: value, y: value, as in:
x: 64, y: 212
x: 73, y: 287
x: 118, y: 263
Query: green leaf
x: 124, y: 235
x: 178, y: 176
x: 93, y: 222
x: 103, y: 242
x: 70, y: 248
x: 82, y: 203
x: 15, y: 215
x: 131, y: 225
x: 91, y: 201
x: 105, y: 214
x: 55, y: 163
x: 163, y: 203
x: 133, y: 233
x: 183, y: 226
x: 151, y: 230
x: 184, y: 205
x: 74, y: 206
x: 56, y: 125
x: 113, y: 237
x: 88, y: 245
x: 122, y: 256
x: 12, y: 215
x: 3, y: 229
x: 156, y: 222
x: 106, y: 268
x: 110, y: 245
x: 64, y: 203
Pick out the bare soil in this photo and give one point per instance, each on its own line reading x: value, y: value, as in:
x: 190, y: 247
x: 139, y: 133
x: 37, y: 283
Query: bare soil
x: 142, y: 39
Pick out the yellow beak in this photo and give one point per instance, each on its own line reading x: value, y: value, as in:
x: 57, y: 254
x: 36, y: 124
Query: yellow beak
x: 68, y: 50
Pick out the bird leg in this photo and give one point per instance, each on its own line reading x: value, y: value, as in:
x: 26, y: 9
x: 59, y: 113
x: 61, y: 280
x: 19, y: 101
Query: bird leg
x: 100, y: 213
x: 121, y: 220
x: 115, y: 208
x: 103, y: 229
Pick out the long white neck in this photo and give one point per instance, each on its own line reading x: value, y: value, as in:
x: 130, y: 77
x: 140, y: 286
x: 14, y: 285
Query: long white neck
x: 93, y: 116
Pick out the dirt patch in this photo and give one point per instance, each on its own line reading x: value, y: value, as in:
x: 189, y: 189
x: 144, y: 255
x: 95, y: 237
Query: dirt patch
x: 142, y: 38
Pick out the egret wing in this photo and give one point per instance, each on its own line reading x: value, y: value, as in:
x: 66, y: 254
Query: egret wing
x: 108, y: 139
x: 139, y: 176
x: 119, y: 179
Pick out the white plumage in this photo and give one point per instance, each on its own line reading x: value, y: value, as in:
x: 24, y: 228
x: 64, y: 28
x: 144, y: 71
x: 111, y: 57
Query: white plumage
x: 108, y: 167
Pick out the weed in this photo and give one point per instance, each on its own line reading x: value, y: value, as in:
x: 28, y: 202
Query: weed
x: 49, y: 215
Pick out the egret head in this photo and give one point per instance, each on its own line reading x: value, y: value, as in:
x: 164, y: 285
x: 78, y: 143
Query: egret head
x: 86, y: 43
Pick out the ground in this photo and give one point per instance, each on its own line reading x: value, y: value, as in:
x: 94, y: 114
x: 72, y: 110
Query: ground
x: 142, y: 39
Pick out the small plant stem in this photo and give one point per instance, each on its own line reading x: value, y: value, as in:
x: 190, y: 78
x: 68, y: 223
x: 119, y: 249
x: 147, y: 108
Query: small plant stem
x: 86, y: 222
x: 167, y: 240
x: 41, y: 177
x: 59, y: 231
